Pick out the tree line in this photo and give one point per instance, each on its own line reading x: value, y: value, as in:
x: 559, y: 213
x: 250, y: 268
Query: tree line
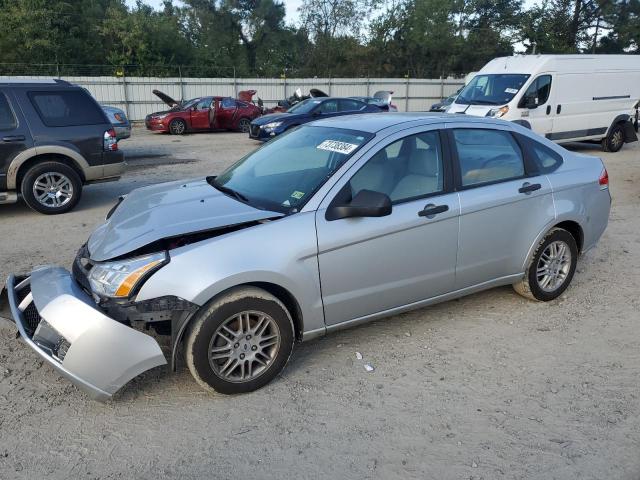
x: 339, y: 38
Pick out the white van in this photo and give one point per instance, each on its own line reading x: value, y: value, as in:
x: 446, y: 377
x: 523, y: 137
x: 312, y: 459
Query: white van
x: 563, y: 97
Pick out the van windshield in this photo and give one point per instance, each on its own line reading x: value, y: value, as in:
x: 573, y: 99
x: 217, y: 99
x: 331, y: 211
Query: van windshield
x: 492, y: 89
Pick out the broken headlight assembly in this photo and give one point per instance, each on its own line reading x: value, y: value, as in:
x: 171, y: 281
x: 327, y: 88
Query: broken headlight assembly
x: 122, y: 278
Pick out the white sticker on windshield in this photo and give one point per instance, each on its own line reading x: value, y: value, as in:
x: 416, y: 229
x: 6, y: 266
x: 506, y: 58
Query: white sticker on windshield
x: 511, y: 90
x: 338, y: 147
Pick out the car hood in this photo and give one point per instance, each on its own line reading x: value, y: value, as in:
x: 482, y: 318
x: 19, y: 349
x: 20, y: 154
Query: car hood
x: 475, y: 110
x: 275, y: 117
x: 168, y: 210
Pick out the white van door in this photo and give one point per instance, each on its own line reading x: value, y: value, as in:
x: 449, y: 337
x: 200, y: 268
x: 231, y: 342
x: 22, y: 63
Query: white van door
x: 535, y: 105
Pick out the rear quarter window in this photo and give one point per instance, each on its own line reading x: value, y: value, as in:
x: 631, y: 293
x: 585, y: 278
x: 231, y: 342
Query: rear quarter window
x: 7, y: 119
x: 66, y: 108
x: 545, y: 159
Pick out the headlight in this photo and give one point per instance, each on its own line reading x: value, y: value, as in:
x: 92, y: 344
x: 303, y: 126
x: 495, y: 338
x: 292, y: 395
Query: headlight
x: 160, y: 117
x: 498, y: 112
x: 119, y: 279
x: 272, y: 125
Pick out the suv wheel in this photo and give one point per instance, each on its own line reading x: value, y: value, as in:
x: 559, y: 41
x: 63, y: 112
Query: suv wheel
x: 239, y: 342
x: 552, y: 267
x: 177, y: 127
x: 51, y: 188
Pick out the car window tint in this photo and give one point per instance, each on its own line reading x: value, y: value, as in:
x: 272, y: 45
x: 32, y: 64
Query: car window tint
x: 66, y: 108
x: 408, y: 168
x: 204, y: 104
x: 7, y: 120
x: 330, y: 106
x: 487, y: 156
x: 546, y: 159
x: 350, y: 105
x: 228, y: 103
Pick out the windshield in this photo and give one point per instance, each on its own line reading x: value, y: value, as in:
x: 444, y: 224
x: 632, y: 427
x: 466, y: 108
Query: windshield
x: 305, y: 106
x: 286, y: 172
x: 190, y: 103
x: 494, y: 89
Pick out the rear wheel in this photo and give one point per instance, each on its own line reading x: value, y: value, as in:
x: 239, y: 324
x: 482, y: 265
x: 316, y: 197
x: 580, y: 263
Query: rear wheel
x: 177, y: 127
x: 244, y: 125
x: 51, y: 188
x: 552, y: 267
x: 239, y: 342
x: 615, y: 140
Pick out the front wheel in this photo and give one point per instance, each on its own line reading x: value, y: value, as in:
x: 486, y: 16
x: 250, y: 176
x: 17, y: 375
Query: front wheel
x: 51, y: 188
x: 552, y: 267
x: 177, y: 127
x: 240, y: 341
x: 615, y: 140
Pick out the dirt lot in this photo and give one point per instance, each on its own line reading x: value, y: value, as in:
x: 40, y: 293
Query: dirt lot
x: 490, y: 386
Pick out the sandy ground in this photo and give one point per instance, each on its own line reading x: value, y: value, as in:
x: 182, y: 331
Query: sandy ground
x: 490, y: 386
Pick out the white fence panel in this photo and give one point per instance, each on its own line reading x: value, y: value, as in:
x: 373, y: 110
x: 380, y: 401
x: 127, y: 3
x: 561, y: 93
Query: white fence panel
x: 135, y: 96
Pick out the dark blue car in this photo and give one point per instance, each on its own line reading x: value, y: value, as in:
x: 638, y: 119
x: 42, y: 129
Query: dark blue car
x: 268, y: 126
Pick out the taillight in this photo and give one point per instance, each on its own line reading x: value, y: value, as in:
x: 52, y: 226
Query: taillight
x: 110, y: 143
x: 604, y: 179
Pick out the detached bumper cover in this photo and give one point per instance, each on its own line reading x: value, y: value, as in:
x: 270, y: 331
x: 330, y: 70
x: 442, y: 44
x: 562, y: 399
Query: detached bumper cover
x: 58, y: 320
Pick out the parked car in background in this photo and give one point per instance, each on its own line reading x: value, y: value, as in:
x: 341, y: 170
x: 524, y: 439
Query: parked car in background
x: 204, y: 114
x: 315, y: 108
x: 55, y: 139
x: 381, y: 99
x: 444, y: 104
x: 387, y: 212
x: 119, y: 120
x: 565, y: 98
x: 297, y: 97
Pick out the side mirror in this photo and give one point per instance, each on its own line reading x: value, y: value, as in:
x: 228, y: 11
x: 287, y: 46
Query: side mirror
x: 530, y: 102
x: 366, y: 203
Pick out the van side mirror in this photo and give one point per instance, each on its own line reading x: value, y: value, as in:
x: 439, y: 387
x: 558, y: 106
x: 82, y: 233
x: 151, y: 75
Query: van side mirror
x: 530, y: 102
x: 366, y: 203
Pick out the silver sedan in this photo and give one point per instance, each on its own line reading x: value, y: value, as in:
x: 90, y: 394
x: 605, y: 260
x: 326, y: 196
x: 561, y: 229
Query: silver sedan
x: 335, y: 223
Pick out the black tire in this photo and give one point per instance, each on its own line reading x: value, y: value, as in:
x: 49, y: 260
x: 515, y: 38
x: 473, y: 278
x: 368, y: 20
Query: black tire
x: 531, y: 285
x: 54, y: 203
x: 202, y: 334
x: 177, y: 126
x: 615, y: 140
x: 244, y: 125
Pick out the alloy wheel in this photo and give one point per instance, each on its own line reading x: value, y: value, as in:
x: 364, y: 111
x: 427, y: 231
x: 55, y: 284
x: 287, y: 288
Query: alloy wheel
x: 53, y: 189
x: 617, y: 139
x: 244, y: 346
x: 245, y: 125
x: 554, y: 266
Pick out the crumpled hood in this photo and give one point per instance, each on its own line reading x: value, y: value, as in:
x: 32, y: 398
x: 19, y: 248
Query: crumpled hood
x: 168, y: 210
x: 474, y: 110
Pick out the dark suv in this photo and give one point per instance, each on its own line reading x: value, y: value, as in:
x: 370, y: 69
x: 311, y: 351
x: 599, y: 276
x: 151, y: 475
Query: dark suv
x: 54, y: 138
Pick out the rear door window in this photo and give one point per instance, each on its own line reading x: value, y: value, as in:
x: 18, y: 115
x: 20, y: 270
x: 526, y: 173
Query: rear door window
x: 329, y: 106
x: 487, y: 156
x: 65, y: 108
x: 228, y: 103
x: 7, y: 119
x: 349, y: 105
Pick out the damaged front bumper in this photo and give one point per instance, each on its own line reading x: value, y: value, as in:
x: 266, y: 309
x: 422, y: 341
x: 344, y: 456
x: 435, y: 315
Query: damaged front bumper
x: 61, y: 323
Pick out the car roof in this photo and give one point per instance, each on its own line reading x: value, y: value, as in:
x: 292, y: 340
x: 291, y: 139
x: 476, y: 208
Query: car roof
x: 374, y: 122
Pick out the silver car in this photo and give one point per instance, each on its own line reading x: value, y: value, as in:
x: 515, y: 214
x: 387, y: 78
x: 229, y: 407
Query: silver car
x: 333, y: 224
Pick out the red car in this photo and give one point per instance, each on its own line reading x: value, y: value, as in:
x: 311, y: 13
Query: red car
x: 204, y: 114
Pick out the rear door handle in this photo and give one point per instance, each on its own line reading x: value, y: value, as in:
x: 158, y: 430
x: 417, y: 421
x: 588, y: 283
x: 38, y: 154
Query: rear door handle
x: 14, y: 138
x: 432, y: 210
x: 529, y: 187
x: 558, y: 109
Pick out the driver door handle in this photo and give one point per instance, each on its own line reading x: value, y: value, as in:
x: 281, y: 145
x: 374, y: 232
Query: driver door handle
x: 432, y: 210
x: 529, y: 187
